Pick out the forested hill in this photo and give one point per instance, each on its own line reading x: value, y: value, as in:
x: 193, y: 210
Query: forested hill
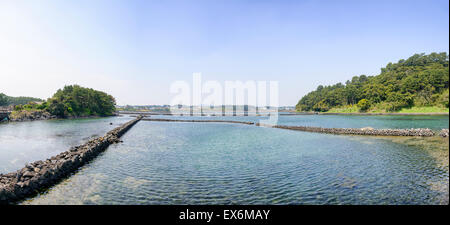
x: 420, y: 80
x: 71, y: 101
x: 8, y: 100
x: 74, y: 100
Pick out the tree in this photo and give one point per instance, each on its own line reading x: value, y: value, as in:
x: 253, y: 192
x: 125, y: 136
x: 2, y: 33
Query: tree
x: 443, y: 99
x: 74, y: 100
x: 3, y: 99
x: 364, y: 105
x: 321, y: 106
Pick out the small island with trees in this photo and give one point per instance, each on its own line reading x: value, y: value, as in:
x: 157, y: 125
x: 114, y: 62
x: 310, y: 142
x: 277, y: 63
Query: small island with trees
x: 73, y: 101
x: 418, y: 84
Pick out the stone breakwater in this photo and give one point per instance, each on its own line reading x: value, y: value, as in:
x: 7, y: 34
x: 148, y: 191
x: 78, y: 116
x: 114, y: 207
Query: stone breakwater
x: 199, y: 121
x: 420, y: 132
x: 39, y: 175
x: 444, y: 133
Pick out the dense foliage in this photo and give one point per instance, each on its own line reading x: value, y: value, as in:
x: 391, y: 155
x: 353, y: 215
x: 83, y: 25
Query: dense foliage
x: 74, y: 100
x: 8, y: 100
x: 3, y: 99
x: 421, y: 80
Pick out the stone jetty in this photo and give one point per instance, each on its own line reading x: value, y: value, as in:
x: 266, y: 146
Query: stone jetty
x: 444, y: 133
x: 39, y: 175
x: 198, y: 121
x: 421, y: 132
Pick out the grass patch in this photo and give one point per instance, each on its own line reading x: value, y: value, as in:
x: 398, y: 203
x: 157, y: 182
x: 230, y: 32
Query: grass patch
x: 424, y: 109
x: 345, y: 109
x: 414, y: 109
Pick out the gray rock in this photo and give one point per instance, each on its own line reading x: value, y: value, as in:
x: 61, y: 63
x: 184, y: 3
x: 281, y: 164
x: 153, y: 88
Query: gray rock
x: 28, y: 174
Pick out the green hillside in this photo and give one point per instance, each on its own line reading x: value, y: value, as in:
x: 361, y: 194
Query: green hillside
x: 417, y: 83
x: 8, y: 100
x: 71, y: 101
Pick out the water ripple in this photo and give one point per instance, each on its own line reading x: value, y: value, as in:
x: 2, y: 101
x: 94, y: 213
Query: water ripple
x: 186, y: 163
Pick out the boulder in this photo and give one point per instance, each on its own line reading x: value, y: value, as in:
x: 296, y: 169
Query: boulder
x: 28, y: 174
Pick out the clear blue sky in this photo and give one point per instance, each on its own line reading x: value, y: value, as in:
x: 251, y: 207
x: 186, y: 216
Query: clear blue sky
x: 136, y: 49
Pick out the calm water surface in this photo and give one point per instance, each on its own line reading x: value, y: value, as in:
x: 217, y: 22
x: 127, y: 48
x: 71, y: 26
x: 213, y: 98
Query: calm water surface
x: 24, y: 142
x: 208, y: 163
x: 341, y: 121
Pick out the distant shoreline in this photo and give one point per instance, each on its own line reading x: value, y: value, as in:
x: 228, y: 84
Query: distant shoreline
x: 370, y: 114
x: 53, y: 118
x: 390, y: 114
x: 285, y: 113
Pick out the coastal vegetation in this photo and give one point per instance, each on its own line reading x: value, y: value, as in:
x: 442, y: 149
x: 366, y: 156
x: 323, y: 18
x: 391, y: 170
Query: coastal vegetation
x: 74, y: 100
x: 417, y: 84
x: 8, y: 100
x: 71, y: 101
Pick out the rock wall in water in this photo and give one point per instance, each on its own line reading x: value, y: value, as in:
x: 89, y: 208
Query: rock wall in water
x: 444, y: 133
x: 421, y: 132
x: 42, y: 174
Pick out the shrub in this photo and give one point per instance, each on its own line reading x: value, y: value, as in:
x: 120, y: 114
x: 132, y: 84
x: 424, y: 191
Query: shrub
x: 18, y: 107
x: 364, y: 105
x: 443, y: 99
x: 321, y: 106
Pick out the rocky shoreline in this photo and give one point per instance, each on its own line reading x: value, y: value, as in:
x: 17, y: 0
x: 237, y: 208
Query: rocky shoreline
x: 30, y: 116
x: 41, y: 115
x: 39, y: 175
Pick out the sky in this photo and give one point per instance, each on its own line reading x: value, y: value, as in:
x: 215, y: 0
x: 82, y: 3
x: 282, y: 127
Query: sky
x: 134, y: 50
